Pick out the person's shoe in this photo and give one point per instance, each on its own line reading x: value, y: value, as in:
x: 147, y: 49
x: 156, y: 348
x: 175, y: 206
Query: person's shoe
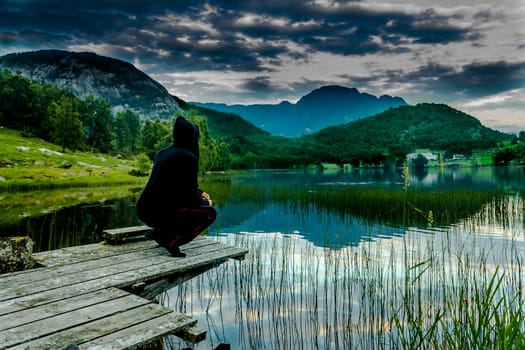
x: 175, y: 251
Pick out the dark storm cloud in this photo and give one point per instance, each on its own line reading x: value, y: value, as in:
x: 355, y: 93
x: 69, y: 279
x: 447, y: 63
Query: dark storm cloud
x: 259, y: 84
x: 473, y: 80
x: 225, y: 35
x: 486, y: 78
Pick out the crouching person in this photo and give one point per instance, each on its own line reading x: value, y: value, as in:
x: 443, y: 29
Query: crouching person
x: 172, y: 203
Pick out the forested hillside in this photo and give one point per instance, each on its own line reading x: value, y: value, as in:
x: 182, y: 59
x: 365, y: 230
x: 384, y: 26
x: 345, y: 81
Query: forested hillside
x: 222, y: 124
x: 396, y: 132
x: 74, y: 123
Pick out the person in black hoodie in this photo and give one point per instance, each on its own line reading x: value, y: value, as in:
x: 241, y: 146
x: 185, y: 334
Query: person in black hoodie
x: 172, y: 203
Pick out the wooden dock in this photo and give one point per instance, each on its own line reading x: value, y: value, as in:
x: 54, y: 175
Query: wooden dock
x: 98, y: 296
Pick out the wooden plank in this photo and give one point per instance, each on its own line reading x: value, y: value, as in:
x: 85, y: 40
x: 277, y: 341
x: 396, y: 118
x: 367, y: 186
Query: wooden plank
x: 19, y: 290
x: 141, y: 334
x: 151, y: 290
x: 130, y: 327
x: 71, y: 255
x: 146, y: 273
x: 50, y: 325
x: 106, y: 255
x: 75, y: 254
x: 192, y: 334
x: 16, y: 291
x: 119, y: 235
x: 42, y: 274
x: 33, y: 314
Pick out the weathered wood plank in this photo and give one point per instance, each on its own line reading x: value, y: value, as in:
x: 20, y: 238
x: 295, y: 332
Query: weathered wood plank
x: 34, y: 314
x: 71, y: 279
x: 146, y: 273
x: 106, y: 255
x: 151, y: 290
x: 44, y: 327
x: 43, y: 274
x: 100, y: 272
x: 192, y: 334
x: 141, y: 334
x: 119, y: 235
x: 131, y: 327
x: 71, y: 255
x: 74, y: 298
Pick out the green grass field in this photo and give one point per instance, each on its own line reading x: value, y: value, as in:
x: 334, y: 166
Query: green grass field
x: 31, y: 163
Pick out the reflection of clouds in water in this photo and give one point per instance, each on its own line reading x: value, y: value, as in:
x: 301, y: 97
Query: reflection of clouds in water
x: 289, y: 293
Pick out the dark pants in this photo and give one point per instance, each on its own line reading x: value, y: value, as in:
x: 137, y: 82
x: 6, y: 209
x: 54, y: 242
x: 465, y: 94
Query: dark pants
x: 185, y: 225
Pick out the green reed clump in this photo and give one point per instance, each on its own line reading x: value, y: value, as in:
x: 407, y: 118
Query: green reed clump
x: 396, y: 207
x: 482, y: 314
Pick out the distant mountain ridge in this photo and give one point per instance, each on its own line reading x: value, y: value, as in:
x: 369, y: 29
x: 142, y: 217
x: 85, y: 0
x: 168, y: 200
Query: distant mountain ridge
x: 118, y: 82
x: 328, y: 105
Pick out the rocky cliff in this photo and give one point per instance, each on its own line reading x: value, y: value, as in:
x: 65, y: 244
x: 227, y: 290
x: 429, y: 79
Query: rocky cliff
x: 118, y: 82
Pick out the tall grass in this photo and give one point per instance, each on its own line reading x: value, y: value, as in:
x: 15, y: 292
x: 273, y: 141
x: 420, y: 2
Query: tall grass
x: 397, y: 207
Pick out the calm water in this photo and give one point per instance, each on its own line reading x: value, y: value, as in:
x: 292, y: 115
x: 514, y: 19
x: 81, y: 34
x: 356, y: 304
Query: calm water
x: 323, y: 272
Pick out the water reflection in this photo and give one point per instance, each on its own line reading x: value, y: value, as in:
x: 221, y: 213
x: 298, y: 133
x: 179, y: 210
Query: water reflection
x: 318, y: 226
x: 333, y: 256
x: 334, y: 208
x: 291, y: 294
x: 62, y: 218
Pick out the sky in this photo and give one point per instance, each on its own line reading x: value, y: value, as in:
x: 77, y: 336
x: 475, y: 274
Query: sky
x: 467, y: 54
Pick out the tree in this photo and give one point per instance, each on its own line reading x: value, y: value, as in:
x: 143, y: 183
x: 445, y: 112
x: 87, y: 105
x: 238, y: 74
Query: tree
x: 17, y: 96
x: 154, y: 136
x: 142, y: 166
x: 127, y: 131
x: 66, y: 124
x: 97, y: 120
x: 503, y: 156
x: 420, y: 161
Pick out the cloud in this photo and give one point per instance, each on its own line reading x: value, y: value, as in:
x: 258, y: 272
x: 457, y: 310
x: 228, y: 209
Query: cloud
x: 267, y: 50
x: 473, y: 80
x: 231, y: 35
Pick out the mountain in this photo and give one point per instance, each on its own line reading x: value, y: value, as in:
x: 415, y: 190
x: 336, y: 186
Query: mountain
x: 222, y: 124
x: 328, y: 105
x: 404, y: 129
x: 118, y: 82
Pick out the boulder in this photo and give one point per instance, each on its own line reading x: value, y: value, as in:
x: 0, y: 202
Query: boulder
x: 16, y: 254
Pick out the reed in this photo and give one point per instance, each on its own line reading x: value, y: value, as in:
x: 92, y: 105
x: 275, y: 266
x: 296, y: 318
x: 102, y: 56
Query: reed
x: 398, y: 207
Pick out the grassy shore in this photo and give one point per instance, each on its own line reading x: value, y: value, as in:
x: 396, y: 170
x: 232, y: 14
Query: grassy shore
x: 28, y: 163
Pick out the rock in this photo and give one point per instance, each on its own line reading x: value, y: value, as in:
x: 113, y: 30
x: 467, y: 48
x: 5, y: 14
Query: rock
x: 87, y: 165
x: 22, y: 148
x: 65, y: 165
x: 16, y: 254
x: 49, y: 152
x: 6, y: 163
x: 2, y: 179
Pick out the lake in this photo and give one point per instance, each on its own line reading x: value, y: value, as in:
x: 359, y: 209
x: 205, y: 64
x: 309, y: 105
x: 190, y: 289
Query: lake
x: 339, y: 259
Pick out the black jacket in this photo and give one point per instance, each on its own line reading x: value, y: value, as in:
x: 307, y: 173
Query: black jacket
x: 173, y: 183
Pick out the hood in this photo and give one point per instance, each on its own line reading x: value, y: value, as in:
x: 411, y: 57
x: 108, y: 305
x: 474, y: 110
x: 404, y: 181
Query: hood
x: 186, y: 135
